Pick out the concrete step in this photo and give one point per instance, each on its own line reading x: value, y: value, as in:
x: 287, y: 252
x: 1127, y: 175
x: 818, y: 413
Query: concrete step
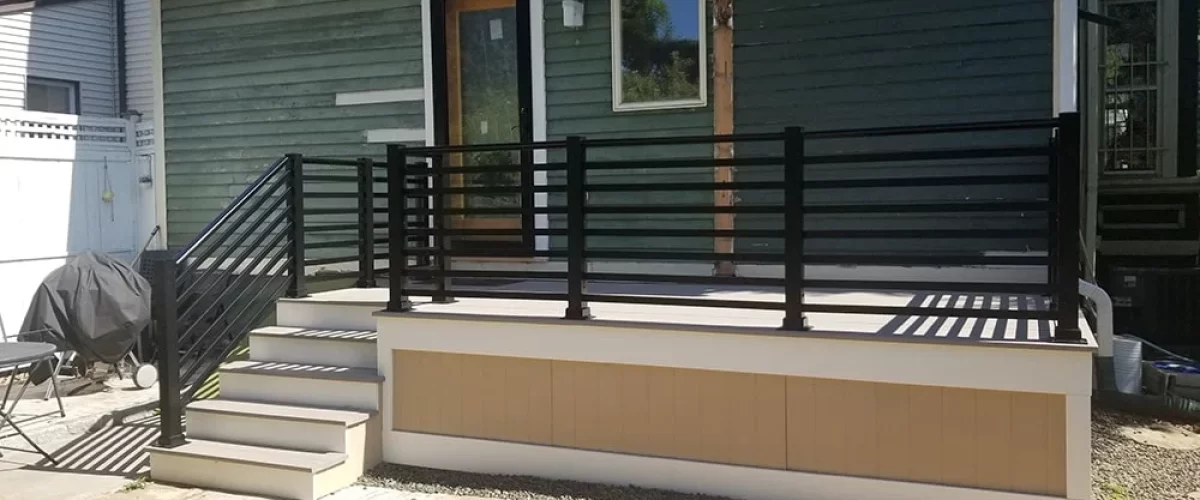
x: 349, y: 309
x: 273, y: 425
x: 302, y: 384
x: 293, y: 475
x: 289, y: 344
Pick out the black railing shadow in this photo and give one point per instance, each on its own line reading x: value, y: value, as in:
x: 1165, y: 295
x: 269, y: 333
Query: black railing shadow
x: 972, y: 328
x: 119, y: 450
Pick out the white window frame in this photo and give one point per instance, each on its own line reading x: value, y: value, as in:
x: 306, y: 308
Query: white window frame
x: 617, y: 94
x: 71, y: 86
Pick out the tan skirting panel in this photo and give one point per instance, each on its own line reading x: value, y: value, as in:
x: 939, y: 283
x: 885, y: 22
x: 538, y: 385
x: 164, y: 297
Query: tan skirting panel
x: 988, y: 439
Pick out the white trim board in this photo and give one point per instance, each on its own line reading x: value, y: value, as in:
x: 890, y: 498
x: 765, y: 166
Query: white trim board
x: 1021, y: 368
x: 1066, y: 37
x: 497, y: 457
x: 379, y: 96
x: 384, y: 135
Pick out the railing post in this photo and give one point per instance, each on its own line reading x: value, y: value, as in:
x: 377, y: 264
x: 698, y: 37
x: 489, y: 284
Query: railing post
x: 397, y: 187
x: 366, y: 223
x: 295, y: 204
x: 793, y: 223
x: 442, y: 243
x: 577, y: 307
x: 164, y: 308
x: 1067, y: 225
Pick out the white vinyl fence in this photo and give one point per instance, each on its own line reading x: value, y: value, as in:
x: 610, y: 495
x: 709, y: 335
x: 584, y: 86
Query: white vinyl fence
x: 68, y: 184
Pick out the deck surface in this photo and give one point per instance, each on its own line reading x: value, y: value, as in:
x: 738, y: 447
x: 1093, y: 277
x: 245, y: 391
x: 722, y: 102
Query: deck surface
x: 879, y: 326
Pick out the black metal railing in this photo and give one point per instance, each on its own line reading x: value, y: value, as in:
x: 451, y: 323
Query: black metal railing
x: 301, y: 215
x: 1027, y: 171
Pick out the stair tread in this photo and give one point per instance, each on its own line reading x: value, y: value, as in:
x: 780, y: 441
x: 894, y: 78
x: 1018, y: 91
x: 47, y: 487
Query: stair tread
x: 280, y: 411
x: 316, y: 333
x: 302, y: 370
x: 312, y: 462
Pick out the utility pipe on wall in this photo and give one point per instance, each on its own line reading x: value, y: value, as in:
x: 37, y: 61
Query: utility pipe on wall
x: 1106, y: 371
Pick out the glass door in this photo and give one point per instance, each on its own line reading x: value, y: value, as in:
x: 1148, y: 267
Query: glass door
x: 485, y: 107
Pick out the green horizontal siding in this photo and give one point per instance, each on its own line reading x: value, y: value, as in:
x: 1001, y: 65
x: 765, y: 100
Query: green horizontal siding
x: 873, y: 63
x: 247, y: 81
x: 579, y: 102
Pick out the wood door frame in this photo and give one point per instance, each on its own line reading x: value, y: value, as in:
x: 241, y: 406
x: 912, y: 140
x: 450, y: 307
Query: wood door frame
x: 446, y: 106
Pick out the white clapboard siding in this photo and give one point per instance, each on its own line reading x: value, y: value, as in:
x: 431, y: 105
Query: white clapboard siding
x: 139, y: 51
x: 73, y: 41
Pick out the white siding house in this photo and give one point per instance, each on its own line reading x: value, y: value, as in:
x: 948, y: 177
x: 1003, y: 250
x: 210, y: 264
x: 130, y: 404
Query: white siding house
x: 139, y: 53
x: 73, y: 42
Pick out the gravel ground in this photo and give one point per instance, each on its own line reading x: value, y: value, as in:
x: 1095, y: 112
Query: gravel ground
x: 1123, y: 469
x: 402, y: 477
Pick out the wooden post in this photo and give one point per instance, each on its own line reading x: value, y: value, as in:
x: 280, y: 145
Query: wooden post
x: 723, y: 125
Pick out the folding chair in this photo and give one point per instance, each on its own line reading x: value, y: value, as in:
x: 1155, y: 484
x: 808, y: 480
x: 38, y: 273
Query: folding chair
x: 55, y: 368
x: 14, y: 355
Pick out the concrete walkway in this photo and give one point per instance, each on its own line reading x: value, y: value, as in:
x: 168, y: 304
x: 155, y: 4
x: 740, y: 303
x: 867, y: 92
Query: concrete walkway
x: 152, y: 491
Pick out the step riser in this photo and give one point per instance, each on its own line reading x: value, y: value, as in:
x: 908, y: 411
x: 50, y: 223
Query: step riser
x: 353, y: 354
x: 268, y: 432
x: 232, y: 476
x: 326, y: 316
x: 299, y: 391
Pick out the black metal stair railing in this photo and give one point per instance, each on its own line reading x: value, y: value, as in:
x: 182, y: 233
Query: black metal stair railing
x: 301, y: 215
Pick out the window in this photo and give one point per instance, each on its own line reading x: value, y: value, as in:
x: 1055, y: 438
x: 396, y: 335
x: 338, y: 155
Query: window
x: 660, y: 55
x: 52, y: 96
x: 1136, y: 91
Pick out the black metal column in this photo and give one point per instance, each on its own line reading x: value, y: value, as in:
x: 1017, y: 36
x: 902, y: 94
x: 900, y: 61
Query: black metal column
x: 397, y: 229
x: 442, y: 242
x: 295, y: 204
x: 577, y: 307
x: 793, y: 223
x: 366, y: 223
x: 1067, y: 225
x: 166, y: 330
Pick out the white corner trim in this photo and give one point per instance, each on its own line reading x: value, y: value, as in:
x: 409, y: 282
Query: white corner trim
x: 1066, y: 39
x: 497, y: 457
x: 382, y: 135
x: 160, y: 119
x: 379, y: 96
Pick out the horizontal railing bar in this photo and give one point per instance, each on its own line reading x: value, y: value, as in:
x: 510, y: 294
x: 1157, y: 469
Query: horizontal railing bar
x: 330, y: 196
x: 255, y: 187
x: 687, y: 233
x: 325, y: 228
x: 421, y: 171
x: 984, y: 206
x: 926, y: 260
x: 318, y: 160
x: 489, y: 294
x: 685, y: 302
x: 331, y: 244
x: 497, y: 252
x: 683, y: 256
x: 683, y: 209
x: 330, y: 211
x: 929, y: 311
x: 423, y: 231
x: 685, y: 163
x: 471, y: 273
x: 327, y: 178
x: 487, y: 190
x: 473, y: 148
x: 682, y: 279
x: 940, y: 154
x: 687, y: 139
x: 978, y: 180
x: 330, y: 260
x: 930, y: 286
x: 486, y: 211
x: 683, y: 186
x: 946, y: 128
x: 926, y: 233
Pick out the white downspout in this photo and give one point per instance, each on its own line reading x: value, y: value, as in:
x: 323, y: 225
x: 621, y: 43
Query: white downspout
x: 1105, y: 369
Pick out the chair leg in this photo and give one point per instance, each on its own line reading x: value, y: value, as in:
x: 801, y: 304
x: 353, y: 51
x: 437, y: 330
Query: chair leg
x: 20, y: 393
x: 54, y: 369
x: 57, y: 392
x: 30, y: 441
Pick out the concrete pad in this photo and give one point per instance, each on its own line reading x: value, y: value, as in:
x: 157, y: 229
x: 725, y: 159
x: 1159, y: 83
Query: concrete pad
x: 87, y: 408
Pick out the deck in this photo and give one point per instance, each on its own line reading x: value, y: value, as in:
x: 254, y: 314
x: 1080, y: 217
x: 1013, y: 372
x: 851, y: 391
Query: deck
x: 983, y: 331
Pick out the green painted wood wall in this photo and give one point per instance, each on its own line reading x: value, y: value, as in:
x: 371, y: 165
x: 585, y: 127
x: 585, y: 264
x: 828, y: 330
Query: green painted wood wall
x: 871, y: 63
x: 579, y: 102
x: 247, y: 81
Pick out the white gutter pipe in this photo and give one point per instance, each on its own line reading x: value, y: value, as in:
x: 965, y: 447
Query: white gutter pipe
x: 1105, y: 369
